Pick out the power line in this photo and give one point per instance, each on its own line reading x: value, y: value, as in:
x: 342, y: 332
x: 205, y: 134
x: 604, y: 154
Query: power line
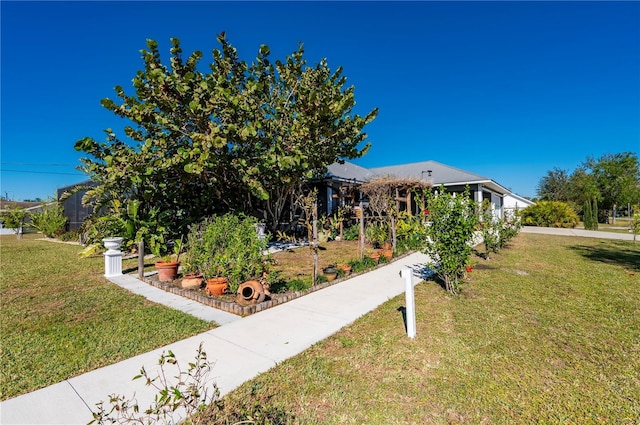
x: 38, y: 164
x: 40, y: 172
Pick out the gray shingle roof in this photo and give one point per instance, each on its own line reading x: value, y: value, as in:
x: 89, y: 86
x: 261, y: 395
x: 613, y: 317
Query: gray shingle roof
x: 440, y: 173
x: 348, y: 171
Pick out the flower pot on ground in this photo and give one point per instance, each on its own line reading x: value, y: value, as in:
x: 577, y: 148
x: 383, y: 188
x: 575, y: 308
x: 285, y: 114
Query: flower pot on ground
x: 388, y: 253
x: 217, y: 286
x: 192, y: 281
x: 345, y: 268
x: 330, y: 273
x: 375, y: 256
x: 167, y: 270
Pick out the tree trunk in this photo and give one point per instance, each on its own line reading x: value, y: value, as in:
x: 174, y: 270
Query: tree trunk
x: 361, y: 232
x: 141, y: 260
x: 315, y: 241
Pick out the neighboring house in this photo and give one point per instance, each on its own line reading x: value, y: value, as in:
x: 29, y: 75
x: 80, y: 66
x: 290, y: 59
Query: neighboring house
x: 73, y: 208
x: 453, y: 179
x: 512, y: 201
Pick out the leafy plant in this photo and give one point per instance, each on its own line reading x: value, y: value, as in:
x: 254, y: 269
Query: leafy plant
x: 490, y: 226
x: 298, y: 284
x: 550, y: 214
x: 190, y: 394
x: 50, y: 221
x: 449, y: 234
x: 228, y: 246
x: 15, y: 218
x: 351, y: 233
x: 377, y: 233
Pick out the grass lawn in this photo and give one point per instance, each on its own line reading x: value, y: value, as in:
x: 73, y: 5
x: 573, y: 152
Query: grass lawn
x: 60, y: 317
x: 546, y: 331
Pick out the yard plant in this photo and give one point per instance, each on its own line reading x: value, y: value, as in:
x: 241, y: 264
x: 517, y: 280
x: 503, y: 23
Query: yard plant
x: 547, y: 332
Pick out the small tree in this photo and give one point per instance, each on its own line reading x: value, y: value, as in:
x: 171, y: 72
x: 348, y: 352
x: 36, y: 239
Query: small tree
x: 490, y: 226
x: 15, y: 218
x: 50, y: 221
x: 635, y: 222
x: 449, y: 235
x: 587, y: 215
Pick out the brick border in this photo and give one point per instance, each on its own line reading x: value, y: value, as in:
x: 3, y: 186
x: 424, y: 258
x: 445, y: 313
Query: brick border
x: 232, y: 307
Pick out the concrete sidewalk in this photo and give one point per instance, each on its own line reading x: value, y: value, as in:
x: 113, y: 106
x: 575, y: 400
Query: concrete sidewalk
x: 241, y: 349
x: 578, y: 232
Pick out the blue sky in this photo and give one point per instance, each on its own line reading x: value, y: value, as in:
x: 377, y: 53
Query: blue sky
x: 508, y: 90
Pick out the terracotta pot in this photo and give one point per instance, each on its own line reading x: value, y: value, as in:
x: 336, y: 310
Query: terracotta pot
x: 192, y: 281
x: 345, y: 268
x: 167, y: 271
x: 250, y: 292
x: 387, y: 253
x: 217, y: 286
x: 375, y: 257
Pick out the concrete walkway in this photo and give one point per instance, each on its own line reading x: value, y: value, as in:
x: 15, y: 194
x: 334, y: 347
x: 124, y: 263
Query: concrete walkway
x: 241, y: 348
x: 578, y: 232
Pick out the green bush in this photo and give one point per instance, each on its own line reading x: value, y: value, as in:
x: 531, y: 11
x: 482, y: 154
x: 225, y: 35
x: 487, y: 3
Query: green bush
x: 550, y: 214
x: 452, y: 220
x: 227, y: 246
x: 351, y: 233
x: 298, y: 284
x: 409, y: 233
x: 50, y: 221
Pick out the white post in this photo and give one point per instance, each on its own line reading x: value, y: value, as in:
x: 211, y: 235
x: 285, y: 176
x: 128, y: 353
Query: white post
x: 113, y: 257
x: 410, y: 311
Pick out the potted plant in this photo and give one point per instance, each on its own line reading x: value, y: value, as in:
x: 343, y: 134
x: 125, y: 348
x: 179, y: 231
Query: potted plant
x: 330, y: 273
x: 167, y: 267
x: 377, y: 234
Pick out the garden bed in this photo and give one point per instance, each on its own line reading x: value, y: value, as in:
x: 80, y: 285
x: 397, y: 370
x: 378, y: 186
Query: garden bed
x: 227, y: 302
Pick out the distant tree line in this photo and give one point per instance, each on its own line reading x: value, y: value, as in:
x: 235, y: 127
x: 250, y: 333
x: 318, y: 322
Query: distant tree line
x: 597, y: 188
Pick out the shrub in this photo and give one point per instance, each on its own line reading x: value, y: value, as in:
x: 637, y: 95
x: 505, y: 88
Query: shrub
x: 228, y: 246
x: 50, y: 221
x: 360, y: 265
x: 299, y: 284
x: 409, y: 233
x: 15, y: 218
x: 490, y: 227
x: 449, y: 235
x: 351, y: 233
x: 550, y: 214
x: 377, y: 233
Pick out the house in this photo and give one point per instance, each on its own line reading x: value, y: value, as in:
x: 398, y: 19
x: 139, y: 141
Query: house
x: 453, y: 179
x: 73, y: 208
x: 340, y: 186
x: 511, y: 202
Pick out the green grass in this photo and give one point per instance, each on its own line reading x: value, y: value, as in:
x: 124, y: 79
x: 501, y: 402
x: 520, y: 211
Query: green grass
x: 60, y: 317
x: 547, y: 331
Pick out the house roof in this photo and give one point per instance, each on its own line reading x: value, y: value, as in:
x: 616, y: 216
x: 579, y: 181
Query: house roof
x: 348, y: 172
x: 441, y: 174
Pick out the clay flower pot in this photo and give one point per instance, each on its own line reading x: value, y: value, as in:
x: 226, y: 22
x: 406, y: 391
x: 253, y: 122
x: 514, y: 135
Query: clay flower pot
x: 217, y: 286
x: 375, y: 256
x: 167, y: 270
x: 387, y: 253
x: 192, y: 281
x: 345, y: 268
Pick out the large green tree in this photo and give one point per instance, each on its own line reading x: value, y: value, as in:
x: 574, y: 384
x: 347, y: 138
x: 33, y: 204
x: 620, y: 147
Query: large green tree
x: 618, y: 179
x: 237, y: 137
x: 554, y: 186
